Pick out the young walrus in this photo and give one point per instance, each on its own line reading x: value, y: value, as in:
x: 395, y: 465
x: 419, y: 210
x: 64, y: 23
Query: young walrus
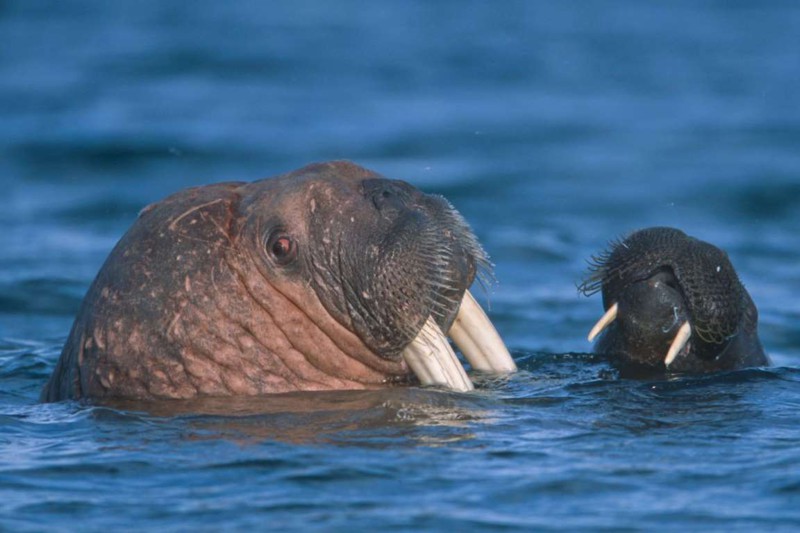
x: 672, y: 303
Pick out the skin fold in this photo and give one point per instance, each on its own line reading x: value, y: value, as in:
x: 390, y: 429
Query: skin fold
x: 312, y: 280
x: 660, y: 279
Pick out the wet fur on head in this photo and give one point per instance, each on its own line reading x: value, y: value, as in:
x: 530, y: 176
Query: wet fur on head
x: 673, y: 303
x: 716, y: 299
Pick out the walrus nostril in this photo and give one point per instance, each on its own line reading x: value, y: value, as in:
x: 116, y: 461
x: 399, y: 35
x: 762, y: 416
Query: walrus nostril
x: 384, y: 194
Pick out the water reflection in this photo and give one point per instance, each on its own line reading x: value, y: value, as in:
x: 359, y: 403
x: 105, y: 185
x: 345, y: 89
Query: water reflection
x: 379, y: 418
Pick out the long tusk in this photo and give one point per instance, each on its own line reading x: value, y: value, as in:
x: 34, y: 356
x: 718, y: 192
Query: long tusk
x: 678, y: 343
x: 433, y: 361
x: 476, y: 337
x: 604, y: 322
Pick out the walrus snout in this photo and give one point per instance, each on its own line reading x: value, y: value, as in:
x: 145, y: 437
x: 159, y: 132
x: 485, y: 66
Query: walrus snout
x: 673, y: 303
x: 404, y: 264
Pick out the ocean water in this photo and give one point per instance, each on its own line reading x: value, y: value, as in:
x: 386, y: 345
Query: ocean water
x: 553, y: 127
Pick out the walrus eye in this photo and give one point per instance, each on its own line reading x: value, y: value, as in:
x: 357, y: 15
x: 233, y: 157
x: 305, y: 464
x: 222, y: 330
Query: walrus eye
x: 282, y: 248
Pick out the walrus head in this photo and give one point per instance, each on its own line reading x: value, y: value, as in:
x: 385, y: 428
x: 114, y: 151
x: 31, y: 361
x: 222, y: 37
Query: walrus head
x: 673, y: 303
x: 329, y: 277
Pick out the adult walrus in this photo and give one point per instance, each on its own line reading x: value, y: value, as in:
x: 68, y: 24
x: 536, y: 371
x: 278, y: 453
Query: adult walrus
x: 673, y: 303
x: 329, y: 277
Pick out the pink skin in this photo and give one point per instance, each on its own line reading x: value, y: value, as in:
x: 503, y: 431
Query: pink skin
x: 190, y: 302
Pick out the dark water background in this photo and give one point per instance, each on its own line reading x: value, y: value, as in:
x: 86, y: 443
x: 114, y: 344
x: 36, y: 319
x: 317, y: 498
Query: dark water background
x: 552, y: 126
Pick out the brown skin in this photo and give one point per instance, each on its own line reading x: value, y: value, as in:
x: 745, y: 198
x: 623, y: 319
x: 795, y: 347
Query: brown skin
x: 313, y: 280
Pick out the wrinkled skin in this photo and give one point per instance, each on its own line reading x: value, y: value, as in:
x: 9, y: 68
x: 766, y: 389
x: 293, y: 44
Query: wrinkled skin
x: 313, y: 280
x: 661, y: 278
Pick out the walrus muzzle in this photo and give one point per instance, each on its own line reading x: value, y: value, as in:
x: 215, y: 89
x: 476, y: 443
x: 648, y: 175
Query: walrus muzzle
x: 404, y: 277
x: 329, y: 277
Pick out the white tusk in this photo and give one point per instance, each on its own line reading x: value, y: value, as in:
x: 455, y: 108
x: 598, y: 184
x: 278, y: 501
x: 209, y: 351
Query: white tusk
x: 678, y: 343
x: 433, y: 361
x: 604, y: 322
x: 476, y: 337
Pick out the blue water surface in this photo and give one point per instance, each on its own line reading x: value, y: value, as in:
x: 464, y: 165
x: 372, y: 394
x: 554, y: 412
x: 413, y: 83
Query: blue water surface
x: 552, y: 126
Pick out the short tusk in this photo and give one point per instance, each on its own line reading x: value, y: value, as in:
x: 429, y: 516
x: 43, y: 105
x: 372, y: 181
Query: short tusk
x: 433, y: 361
x: 473, y: 333
x: 604, y: 322
x: 678, y: 343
